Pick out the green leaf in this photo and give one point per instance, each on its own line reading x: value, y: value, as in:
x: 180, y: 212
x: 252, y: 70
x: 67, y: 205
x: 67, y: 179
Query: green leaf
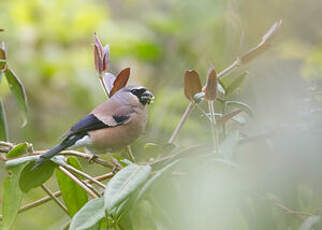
x: 240, y: 105
x: 148, y: 184
x: 236, y: 83
x: 220, y: 88
x: 73, y: 195
x: 18, y: 150
x: 309, y: 222
x: 232, y: 82
x: 12, y: 197
x: 19, y: 92
x: 89, y: 215
x: 3, y: 123
x: 124, y: 183
x: 2, y: 64
x: 31, y: 178
x: 229, y: 144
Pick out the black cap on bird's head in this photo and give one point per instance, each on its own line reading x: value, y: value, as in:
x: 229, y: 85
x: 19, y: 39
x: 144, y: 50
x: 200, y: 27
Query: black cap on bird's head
x: 142, y: 94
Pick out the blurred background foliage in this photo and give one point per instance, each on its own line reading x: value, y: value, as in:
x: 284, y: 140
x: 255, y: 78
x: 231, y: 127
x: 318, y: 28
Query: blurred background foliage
x: 49, y: 45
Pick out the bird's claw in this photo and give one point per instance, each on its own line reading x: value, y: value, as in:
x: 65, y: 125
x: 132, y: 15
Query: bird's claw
x: 92, y: 158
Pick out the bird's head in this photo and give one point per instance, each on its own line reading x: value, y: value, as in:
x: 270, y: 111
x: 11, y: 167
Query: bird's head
x: 142, y: 94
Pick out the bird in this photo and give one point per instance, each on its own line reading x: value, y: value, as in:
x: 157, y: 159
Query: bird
x: 111, y: 126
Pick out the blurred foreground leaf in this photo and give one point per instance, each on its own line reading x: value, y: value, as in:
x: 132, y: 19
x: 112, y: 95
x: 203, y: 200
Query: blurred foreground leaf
x: 73, y: 195
x: 229, y: 144
x: 3, y: 123
x: 89, y: 215
x: 12, y: 197
x: 232, y: 82
x: 240, y: 105
x: 19, y: 92
x: 148, y: 184
x: 309, y: 222
x: 124, y: 183
x: 31, y: 178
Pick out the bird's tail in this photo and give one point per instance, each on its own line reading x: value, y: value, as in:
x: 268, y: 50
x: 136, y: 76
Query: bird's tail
x: 69, y: 141
x: 52, y: 152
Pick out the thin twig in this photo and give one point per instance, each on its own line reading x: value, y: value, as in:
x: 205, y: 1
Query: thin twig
x: 60, y: 204
x: 71, y: 168
x: 101, y: 77
x: 58, y: 193
x: 65, y: 152
x: 181, y: 122
x: 230, y: 68
x: 288, y: 210
x: 213, y: 125
x: 202, y: 112
x: 77, y: 181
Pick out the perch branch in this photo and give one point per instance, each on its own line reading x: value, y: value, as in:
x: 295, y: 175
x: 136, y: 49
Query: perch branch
x: 60, y: 204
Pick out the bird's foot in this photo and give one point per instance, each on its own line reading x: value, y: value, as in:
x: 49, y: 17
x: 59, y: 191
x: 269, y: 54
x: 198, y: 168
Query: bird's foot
x: 92, y: 158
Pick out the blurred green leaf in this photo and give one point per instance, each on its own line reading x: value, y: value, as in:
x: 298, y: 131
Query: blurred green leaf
x: 89, y: 215
x: 232, y: 82
x: 148, y: 184
x: 18, y: 90
x: 309, y: 222
x: 120, y: 209
x: 2, y: 64
x: 31, y: 178
x: 236, y: 83
x: 220, y: 88
x: 18, y: 150
x: 124, y: 183
x: 240, y: 105
x: 3, y: 123
x: 12, y: 197
x: 73, y: 195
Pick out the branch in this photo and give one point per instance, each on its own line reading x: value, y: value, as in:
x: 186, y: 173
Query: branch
x: 77, y: 181
x: 71, y: 168
x: 60, y: 204
x: 181, y: 122
x: 58, y: 194
x: 286, y: 209
x: 244, y: 59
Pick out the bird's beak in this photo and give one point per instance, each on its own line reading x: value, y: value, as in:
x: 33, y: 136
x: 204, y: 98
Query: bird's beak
x: 148, y: 96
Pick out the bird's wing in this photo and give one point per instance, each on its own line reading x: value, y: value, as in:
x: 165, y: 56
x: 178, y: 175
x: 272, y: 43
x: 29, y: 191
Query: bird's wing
x: 99, y: 120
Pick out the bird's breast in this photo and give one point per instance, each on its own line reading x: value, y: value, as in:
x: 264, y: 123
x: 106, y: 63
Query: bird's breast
x: 116, y: 138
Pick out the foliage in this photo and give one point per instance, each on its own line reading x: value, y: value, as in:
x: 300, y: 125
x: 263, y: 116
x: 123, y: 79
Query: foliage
x: 214, y: 172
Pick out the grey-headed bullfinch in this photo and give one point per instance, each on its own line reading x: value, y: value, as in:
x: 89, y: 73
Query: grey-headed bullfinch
x: 111, y: 126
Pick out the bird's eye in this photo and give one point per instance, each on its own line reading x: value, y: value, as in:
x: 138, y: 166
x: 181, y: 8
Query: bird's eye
x: 138, y: 92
